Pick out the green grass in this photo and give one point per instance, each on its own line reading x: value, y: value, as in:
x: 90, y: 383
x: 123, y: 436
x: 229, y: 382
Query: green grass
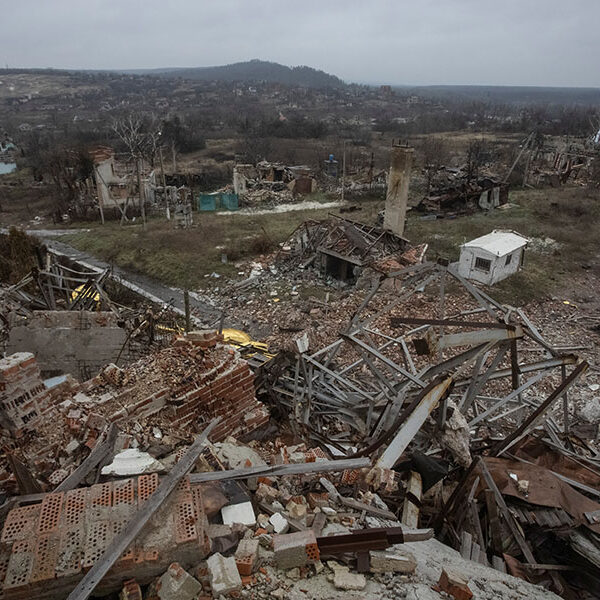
x: 570, y: 216
x: 183, y: 257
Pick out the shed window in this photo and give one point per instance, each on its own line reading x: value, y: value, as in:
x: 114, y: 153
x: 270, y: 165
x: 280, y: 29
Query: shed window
x: 508, y: 259
x: 482, y: 264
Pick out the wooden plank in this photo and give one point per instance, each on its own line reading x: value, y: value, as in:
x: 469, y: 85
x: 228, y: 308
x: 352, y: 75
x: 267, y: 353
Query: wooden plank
x: 94, y: 458
x: 498, y: 564
x: 320, y: 466
x: 466, y: 542
x: 120, y: 542
x: 494, y: 522
x: 508, y: 518
x: 412, y: 501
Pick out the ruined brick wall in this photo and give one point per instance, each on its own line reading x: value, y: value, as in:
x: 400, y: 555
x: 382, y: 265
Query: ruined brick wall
x: 23, y: 395
x: 189, y: 384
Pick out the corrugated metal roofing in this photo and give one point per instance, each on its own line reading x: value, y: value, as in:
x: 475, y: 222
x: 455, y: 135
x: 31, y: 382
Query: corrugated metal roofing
x: 498, y: 242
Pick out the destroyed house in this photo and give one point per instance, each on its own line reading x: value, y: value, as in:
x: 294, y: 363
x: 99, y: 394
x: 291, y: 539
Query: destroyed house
x: 341, y: 248
x: 461, y: 196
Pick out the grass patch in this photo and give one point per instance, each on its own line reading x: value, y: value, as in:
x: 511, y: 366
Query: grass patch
x: 570, y: 216
x: 183, y: 257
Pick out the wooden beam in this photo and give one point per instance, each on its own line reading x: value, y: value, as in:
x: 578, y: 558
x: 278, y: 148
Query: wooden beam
x: 412, y: 501
x: 94, y: 458
x: 413, y: 424
x: 120, y: 542
x: 320, y: 466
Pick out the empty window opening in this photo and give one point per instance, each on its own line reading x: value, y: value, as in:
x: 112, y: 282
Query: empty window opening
x: 482, y: 264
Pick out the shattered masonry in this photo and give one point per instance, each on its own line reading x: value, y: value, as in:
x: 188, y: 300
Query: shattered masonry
x: 23, y: 395
x: 46, y: 548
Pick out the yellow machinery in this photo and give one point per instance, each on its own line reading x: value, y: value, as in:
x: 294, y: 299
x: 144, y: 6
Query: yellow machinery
x: 246, y: 345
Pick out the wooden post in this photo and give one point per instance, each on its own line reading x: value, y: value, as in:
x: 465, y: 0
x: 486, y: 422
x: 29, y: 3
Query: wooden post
x: 412, y: 501
x: 140, y: 192
x: 344, y: 171
x: 162, y: 170
x: 186, y: 302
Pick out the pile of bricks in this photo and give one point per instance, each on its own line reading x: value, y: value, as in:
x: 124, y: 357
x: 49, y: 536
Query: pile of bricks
x: 23, y: 396
x: 215, y: 382
x: 46, y: 548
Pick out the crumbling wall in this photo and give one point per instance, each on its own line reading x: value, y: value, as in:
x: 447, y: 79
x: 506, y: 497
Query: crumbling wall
x: 23, y: 395
x: 75, y: 342
x: 195, y: 380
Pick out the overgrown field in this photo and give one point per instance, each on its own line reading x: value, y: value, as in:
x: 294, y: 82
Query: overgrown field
x: 563, y: 224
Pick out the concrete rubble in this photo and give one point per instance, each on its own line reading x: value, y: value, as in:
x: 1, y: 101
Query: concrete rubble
x: 418, y: 443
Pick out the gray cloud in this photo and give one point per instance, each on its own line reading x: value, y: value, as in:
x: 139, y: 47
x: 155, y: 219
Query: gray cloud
x: 508, y: 42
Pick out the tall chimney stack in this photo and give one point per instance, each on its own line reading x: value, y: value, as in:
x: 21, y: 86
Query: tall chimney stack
x: 396, y: 200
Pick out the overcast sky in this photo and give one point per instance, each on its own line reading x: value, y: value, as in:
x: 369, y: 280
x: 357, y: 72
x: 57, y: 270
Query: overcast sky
x: 505, y: 42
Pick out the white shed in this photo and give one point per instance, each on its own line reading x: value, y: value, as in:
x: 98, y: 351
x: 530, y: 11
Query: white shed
x: 492, y: 257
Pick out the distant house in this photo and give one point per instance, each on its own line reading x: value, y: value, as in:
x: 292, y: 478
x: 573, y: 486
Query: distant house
x: 492, y: 257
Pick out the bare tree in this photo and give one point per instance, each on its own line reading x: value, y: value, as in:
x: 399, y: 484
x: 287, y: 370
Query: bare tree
x: 478, y: 154
x: 435, y: 154
x: 141, y: 136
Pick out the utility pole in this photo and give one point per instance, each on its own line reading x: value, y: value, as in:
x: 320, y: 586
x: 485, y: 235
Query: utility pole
x: 140, y: 191
x: 344, y: 171
x: 174, y: 160
x: 162, y: 169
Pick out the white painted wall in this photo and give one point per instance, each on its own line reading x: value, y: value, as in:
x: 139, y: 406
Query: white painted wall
x: 499, y: 270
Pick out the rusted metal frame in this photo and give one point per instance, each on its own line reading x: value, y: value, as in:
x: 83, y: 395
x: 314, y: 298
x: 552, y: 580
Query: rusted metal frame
x: 331, y: 346
x: 307, y: 406
x: 475, y: 293
x: 530, y: 421
x: 481, y: 358
x: 399, y: 300
x: 389, y: 412
x: 413, y: 423
x: 533, y: 332
x: 320, y: 466
x: 568, y: 359
x: 469, y: 338
x: 135, y: 525
x: 398, y: 321
x: 508, y: 517
x: 565, y: 398
x: 391, y: 340
x: 385, y: 360
x: 370, y: 295
x: 451, y: 363
x: 338, y: 377
x: 384, y: 381
x: 514, y: 394
x: 483, y: 379
x: 514, y: 367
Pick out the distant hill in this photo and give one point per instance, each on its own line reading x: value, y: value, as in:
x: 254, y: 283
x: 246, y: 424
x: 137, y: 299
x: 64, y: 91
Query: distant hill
x: 252, y: 71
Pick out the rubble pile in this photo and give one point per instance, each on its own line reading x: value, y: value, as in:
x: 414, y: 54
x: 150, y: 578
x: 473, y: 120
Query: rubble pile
x: 176, y: 390
x: 414, y: 407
